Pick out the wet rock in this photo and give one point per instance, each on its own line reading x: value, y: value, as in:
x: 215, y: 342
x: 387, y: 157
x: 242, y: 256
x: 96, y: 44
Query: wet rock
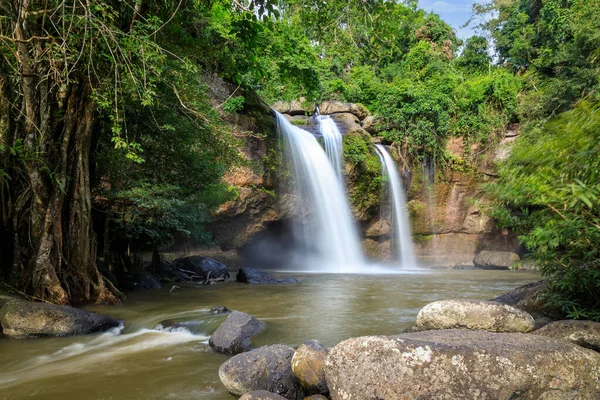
x: 233, y: 335
x: 583, y: 333
x: 495, y: 259
x: 308, y: 365
x: 252, y: 275
x: 458, y: 364
x: 23, y: 319
x: 220, y: 310
x: 261, y: 395
x: 335, y: 107
x: 170, y: 325
x: 475, y: 315
x: 205, y: 267
x: 144, y: 281
x: 267, y: 368
x: 530, y: 298
x: 346, y: 121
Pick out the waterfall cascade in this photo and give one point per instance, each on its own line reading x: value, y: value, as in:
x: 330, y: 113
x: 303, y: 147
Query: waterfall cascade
x: 400, y: 223
x: 332, y: 138
x: 329, y: 232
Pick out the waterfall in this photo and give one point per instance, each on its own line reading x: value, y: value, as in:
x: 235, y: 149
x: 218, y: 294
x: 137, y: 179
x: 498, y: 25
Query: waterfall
x: 328, y: 232
x: 332, y: 138
x: 400, y: 223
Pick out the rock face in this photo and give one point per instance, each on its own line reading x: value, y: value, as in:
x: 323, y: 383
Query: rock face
x: 475, y: 315
x: 203, y: 266
x: 233, y: 335
x: 261, y: 395
x: 251, y: 275
x: 267, y: 368
x: 583, y: 333
x: 495, y: 259
x: 456, y: 364
x: 308, y: 365
x: 335, y: 107
x: 23, y: 319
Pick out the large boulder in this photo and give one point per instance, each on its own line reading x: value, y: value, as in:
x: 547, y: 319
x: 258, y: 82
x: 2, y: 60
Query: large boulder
x: 267, y: 368
x: 530, y: 298
x: 477, y: 315
x: 308, y: 365
x: 335, y: 107
x: 145, y: 281
x: 496, y: 259
x: 233, y: 335
x: 261, y: 395
x: 252, y: 275
x: 458, y: 364
x: 583, y: 333
x: 23, y: 319
x: 295, y: 107
x: 205, y: 267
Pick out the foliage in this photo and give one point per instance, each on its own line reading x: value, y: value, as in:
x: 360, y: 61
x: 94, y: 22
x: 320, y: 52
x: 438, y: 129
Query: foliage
x: 549, y: 192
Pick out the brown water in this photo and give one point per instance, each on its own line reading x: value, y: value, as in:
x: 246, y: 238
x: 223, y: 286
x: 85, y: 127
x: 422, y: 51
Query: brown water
x: 143, y: 363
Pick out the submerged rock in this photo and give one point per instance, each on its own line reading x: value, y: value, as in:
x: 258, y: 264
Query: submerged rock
x: 308, y: 365
x: 233, y: 335
x: 475, y: 315
x: 267, y: 368
x: 495, y: 259
x: 252, y: 275
x: 458, y: 364
x: 583, y: 333
x: 205, y: 267
x: 220, y: 310
x: 23, y: 319
x: 261, y: 395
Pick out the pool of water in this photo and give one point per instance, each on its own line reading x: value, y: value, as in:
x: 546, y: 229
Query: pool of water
x: 140, y: 362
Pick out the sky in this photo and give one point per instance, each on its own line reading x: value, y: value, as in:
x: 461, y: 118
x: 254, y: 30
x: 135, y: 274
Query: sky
x: 454, y: 12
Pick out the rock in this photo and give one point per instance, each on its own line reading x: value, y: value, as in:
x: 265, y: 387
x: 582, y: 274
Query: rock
x: 145, y: 281
x: 458, y: 364
x: 170, y: 325
x: 267, y: 368
x: 24, y: 319
x: 233, y: 335
x: 495, y: 259
x: 203, y: 266
x: 261, y: 395
x: 308, y: 365
x: 220, y: 310
x: 347, y: 121
x: 316, y: 397
x: 334, y: 107
x: 529, y: 298
x: 6, y: 296
x: 583, y: 333
x: 296, y: 107
x: 252, y: 275
x: 476, y: 315
x: 370, y: 124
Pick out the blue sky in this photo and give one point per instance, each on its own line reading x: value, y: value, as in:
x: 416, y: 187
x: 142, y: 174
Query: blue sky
x: 454, y: 12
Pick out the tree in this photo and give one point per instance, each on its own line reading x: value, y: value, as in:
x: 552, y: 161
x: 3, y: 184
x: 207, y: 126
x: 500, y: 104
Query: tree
x: 65, y: 68
x: 475, y: 56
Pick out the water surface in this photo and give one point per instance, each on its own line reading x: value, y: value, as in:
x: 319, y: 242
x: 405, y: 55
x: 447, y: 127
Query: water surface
x: 142, y: 363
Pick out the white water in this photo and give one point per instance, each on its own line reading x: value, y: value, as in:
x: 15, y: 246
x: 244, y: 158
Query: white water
x: 400, y: 222
x: 332, y: 138
x: 330, y: 236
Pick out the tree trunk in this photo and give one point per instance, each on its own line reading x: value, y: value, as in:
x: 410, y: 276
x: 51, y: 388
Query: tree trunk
x: 51, y: 214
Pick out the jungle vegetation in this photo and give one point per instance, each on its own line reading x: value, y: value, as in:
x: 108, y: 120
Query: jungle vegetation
x: 108, y: 133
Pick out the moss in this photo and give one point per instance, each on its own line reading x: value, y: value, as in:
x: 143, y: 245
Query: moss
x: 299, y: 122
x: 418, y: 238
x: 364, y: 174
